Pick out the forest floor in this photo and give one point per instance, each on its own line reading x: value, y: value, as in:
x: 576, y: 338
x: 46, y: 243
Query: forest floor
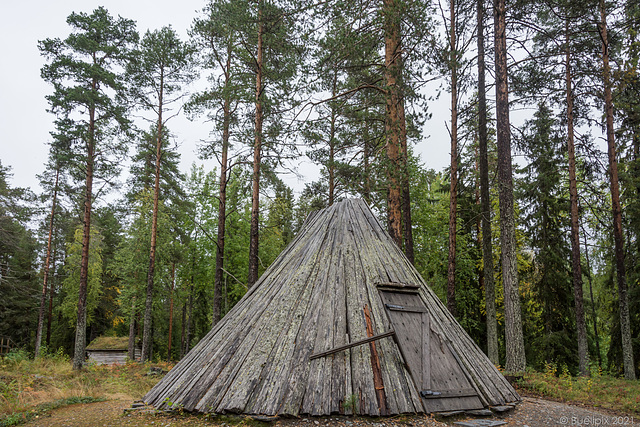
x: 47, y: 392
x: 531, y: 412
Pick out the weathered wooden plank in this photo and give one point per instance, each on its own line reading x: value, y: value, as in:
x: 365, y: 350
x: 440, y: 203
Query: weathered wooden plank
x: 397, y: 396
x: 362, y: 376
x: 339, y: 390
x: 218, y: 381
x: 250, y: 368
x: 268, y: 398
x: 301, y: 370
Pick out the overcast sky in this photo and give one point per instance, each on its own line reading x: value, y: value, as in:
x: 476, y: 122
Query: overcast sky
x: 24, y: 122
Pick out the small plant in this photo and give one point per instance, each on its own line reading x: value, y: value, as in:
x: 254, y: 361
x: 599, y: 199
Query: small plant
x: 550, y: 369
x: 16, y: 356
x: 350, y: 404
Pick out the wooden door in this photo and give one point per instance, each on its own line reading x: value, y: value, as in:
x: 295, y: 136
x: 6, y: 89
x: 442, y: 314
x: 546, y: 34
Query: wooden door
x: 432, y: 361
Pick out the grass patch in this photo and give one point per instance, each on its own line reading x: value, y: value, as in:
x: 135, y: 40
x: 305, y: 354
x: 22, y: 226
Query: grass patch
x: 598, y: 391
x: 28, y: 385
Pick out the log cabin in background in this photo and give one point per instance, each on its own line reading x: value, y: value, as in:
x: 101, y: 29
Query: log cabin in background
x: 110, y: 351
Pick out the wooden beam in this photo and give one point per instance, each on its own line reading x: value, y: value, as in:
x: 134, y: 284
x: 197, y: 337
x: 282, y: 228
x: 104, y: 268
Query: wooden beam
x: 353, y: 344
x: 395, y: 307
x: 397, y: 285
x: 375, y: 366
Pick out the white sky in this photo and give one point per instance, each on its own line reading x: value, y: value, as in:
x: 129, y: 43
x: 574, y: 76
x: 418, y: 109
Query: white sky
x: 25, y: 124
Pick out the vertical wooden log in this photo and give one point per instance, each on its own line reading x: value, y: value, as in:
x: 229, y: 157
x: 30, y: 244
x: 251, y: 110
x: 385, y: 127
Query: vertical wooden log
x: 375, y: 365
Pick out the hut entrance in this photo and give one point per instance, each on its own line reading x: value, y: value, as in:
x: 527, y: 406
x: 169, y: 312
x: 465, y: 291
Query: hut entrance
x: 433, y: 363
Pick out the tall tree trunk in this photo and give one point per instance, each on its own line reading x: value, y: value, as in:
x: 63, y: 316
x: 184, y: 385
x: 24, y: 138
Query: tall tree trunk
x: 131, y: 345
x: 487, y: 249
x: 625, y: 323
x: 393, y: 127
x: 407, y: 222
x: 593, y: 301
x: 170, y: 337
x: 257, y: 149
x: 190, y: 321
x: 183, y: 329
x: 453, y: 190
x: 331, y: 165
x: 148, y: 310
x: 583, y: 350
x: 514, y: 341
x: 222, y: 205
x: 47, y: 261
x: 51, y: 285
x: 81, y: 322
x: 366, y: 192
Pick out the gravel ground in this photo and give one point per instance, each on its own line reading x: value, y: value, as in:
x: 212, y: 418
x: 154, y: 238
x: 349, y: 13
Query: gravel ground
x: 531, y: 412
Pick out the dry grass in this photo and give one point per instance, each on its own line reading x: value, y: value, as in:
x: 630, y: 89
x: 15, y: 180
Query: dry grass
x: 28, y: 384
x: 599, y: 391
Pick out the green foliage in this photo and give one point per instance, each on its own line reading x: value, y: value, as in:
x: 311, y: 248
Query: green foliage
x: 83, y: 69
x: 71, y: 283
x: 18, y: 278
x: 551, y: 332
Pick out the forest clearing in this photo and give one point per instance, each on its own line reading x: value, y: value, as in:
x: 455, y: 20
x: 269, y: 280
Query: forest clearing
x: 380, y: 287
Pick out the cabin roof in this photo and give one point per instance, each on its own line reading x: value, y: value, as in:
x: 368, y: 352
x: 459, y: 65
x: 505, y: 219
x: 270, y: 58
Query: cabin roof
x: 109, y: 343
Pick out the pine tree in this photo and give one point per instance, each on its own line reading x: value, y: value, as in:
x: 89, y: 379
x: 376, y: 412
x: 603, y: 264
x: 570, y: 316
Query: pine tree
x: 83, y: 71
x: 158, y: 69
x: 616, y: 210
x: 515, y: 360
x: 216, y: 33
x: 487, y: 251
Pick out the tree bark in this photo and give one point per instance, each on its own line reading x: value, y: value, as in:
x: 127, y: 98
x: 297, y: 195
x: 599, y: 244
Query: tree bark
x: 222, y: 205
x: 331, y: 165
x: 583, y: 350
x: 183, y: 329
x: 47, y: 261
x: 170, y: 337
x: 81, y: 322
x: 453, y: 189
x: 407, y: 222
x: 148, y: 311
x: 366, y: 192
x: 625, y: 323
x: 131, y: 347
x: 593, y: 302
x: 392, y: 75
x: 51, y: 284
x: 485, y: 199
x: 514, y: 341
x: 257, y: 149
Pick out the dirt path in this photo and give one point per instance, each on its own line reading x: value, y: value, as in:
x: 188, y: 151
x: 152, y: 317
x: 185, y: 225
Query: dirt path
x: 531, y: 412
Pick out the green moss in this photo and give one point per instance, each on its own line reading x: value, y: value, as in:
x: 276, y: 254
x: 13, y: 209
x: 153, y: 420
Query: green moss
x: 109, y: 343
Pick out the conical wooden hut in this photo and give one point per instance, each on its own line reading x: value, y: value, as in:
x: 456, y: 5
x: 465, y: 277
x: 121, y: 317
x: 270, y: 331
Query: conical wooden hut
x: 341, y: 322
